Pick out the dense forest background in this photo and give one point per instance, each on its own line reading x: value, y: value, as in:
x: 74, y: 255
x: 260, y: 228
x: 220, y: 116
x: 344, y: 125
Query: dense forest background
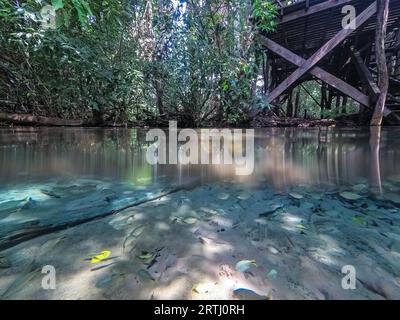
x: 143, y: 62
x: 136, y: 61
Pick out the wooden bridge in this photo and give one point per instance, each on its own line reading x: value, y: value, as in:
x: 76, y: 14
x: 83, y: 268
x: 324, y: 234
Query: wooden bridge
x: 311, y: 43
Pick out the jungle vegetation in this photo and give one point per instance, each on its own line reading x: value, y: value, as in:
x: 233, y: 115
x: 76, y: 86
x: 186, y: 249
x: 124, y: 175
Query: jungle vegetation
x: 125, y: 61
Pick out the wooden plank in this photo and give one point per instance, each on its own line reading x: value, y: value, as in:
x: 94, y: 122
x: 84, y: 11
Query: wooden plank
x: 321, y: 53
x: 312, y: 10
x: 366, y: 76
x: 321, y: 74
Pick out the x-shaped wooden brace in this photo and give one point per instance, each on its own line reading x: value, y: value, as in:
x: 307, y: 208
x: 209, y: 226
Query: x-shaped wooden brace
x: 310, y: 64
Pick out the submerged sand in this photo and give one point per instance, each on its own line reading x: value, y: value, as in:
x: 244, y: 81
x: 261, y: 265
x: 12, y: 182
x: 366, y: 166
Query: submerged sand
x: 187, y: 244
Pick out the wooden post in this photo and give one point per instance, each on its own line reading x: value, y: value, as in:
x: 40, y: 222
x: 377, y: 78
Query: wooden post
x: 321, y: 53
x: 380, y: 54
x: 328, y: 78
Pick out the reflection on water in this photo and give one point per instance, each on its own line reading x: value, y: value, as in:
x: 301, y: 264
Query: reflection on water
x: 283, y: 157
x: 312, y: 206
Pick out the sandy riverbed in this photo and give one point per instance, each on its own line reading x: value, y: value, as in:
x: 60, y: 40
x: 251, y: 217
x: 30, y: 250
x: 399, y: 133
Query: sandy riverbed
x: 186, y: 245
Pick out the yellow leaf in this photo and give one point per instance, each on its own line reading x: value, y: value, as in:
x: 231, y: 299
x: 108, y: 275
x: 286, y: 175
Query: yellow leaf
x: 100, y: 257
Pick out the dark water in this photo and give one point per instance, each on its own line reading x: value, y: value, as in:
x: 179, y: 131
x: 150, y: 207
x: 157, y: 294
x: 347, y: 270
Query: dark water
x: 283, y: 157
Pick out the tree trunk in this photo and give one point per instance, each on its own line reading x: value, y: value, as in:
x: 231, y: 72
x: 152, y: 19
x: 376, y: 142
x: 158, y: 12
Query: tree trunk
x: 297, y: 103
x: 289, y: 107
x: 344, y: 104
x: 380, y: 56
x: 324, y: 99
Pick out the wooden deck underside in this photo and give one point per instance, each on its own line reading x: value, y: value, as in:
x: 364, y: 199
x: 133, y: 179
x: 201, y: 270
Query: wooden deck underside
x: 305, y: 27
x: 308, y: 32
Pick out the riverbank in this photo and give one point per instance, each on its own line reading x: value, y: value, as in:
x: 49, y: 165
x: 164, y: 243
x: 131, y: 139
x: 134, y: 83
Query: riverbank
x: 258, y: 122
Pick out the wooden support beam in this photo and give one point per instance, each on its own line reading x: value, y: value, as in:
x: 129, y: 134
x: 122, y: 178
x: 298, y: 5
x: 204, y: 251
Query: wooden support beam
x: 321, y: 53
x: 308, y: 10
x: 381, y: 63
x: 321, y: 74
x: 366, y: 77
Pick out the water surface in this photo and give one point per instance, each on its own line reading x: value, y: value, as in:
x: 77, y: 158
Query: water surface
x: 318, y: 200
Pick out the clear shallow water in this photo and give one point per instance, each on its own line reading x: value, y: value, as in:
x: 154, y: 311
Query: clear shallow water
x: 283, y: 157
x: 318, y: 200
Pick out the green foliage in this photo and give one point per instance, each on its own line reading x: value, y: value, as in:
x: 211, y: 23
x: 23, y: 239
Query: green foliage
x: 132, y: 60
x: 265, y: 13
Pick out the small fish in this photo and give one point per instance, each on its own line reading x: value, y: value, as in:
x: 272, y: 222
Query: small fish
x: 247, y: 294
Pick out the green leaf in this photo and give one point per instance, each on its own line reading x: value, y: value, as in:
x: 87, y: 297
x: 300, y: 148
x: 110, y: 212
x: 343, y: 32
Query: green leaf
x: 57, y: 4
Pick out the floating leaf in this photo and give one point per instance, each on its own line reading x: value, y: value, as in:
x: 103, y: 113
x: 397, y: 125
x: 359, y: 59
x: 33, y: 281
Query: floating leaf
x: 244, y: 196
x: 100, y: 257
x: 296, y: 196
x: 223, y: 196
x: 300, y: 226
x: 247, y: 294
x: 244, y: 265
x: 350, y: 196
x: 4, y: 263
